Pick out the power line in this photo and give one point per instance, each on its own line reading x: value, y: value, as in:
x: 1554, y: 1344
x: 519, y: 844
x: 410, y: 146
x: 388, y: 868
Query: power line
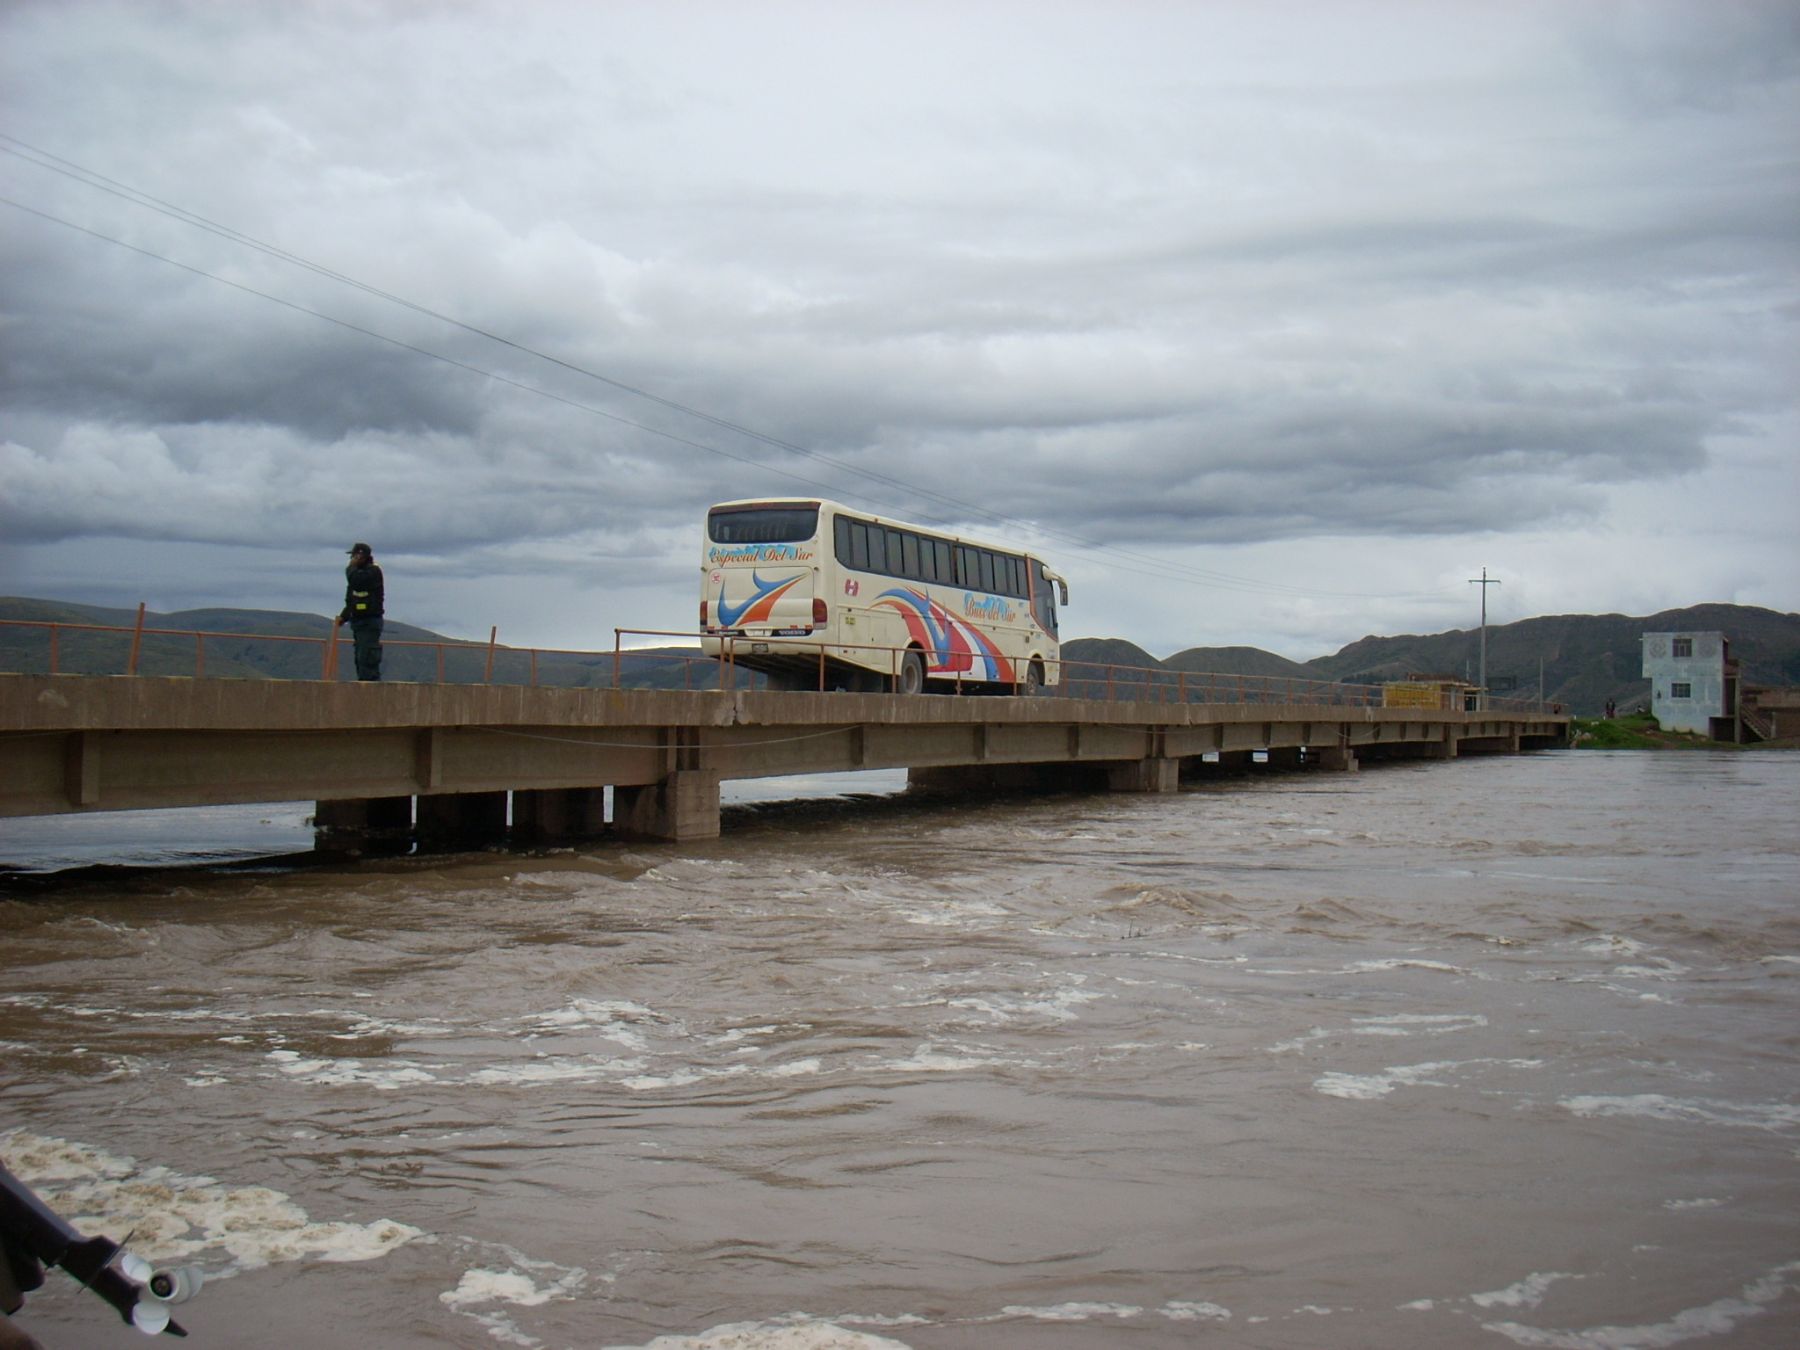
x: 1147, y: 564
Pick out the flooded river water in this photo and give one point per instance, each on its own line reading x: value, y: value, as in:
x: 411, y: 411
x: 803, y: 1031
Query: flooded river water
x: 1497, y: 1051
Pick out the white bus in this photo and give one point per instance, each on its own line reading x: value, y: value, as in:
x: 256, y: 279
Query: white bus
x: 820, y: 596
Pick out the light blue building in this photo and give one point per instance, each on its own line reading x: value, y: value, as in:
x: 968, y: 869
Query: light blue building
x: 1693, y: 683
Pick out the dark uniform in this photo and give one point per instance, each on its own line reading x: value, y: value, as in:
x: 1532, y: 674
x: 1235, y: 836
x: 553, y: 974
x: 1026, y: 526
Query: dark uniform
x: 363, y: 609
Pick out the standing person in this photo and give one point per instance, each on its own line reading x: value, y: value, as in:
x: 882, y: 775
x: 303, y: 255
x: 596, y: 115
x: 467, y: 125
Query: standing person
x: 363, y: 609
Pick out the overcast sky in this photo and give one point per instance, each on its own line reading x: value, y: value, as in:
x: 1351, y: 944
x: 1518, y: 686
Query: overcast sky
x: 1267, y: 324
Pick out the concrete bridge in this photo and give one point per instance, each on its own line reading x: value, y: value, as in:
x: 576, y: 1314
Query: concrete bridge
x: 443, y: 759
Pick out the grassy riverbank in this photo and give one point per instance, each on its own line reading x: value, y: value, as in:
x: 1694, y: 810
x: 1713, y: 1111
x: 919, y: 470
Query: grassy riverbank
x: 1638, y: 731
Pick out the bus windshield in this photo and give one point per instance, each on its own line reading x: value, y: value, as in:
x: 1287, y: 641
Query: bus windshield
x: 762, y: 524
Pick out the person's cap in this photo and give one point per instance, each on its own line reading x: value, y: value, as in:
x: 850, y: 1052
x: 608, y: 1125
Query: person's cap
x: 360, y: 548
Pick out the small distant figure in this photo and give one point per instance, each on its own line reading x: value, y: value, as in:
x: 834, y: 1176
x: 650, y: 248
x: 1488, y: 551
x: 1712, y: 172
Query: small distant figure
x: 1611, y: 709
x: 363, y: 606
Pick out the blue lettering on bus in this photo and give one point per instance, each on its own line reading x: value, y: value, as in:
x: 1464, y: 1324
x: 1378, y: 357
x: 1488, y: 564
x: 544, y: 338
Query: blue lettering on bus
x: 747, y: 555
x: 990, y: 608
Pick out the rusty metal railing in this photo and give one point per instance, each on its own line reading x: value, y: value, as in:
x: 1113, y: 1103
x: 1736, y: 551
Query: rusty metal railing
x: 490, y: 662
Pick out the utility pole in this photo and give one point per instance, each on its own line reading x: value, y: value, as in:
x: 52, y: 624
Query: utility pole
x: 1481, y: 679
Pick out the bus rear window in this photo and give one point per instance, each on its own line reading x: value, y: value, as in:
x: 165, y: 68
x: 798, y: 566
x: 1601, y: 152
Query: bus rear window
x: 763, y: 525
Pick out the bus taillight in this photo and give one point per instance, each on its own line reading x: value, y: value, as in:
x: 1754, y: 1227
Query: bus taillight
x: 819, y: 614
x: 703, y: 616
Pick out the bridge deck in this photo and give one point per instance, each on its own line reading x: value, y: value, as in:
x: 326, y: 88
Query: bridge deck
x: 87, y: 743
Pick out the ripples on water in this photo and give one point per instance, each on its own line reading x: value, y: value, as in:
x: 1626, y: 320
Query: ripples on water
x: 1493, y: 1051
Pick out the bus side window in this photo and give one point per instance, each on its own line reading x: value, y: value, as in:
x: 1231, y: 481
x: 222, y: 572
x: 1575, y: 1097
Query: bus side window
x: 877, y: 549
x: 894, y: 566
x: 987, y: 571
x: 946, y: 562
x: 840, y: 530
x: 859, y: 546
x: 909, y: 556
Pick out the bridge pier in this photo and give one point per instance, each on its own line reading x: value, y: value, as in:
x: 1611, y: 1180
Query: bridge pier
x: 362, y: 824
x: 1160, y: 773
x: 1506, y: 743
x: 461, y: 818
x: 683, y: 805
x: 1333, y: 758
x: 558, y: 813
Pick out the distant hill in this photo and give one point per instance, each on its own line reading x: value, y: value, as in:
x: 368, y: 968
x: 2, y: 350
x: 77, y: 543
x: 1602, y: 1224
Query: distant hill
x: 268, y: 657
x: 1240, y: 661
x: 1585, y: 658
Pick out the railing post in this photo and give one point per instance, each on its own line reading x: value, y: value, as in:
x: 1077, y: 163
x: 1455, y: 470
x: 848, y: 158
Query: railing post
x: 54, y: 630
x: 137, y: 641
x: 534, y: 652
x: 199, y: 656
x: 487, y: 676
x: 440, y: 663
x: 328, y: 662
x: 617, y: 642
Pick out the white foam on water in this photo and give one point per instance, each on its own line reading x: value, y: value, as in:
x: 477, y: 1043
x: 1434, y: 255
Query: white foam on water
x: 1408, y: 963
x: 1071, y: 1312
x: 737, y: 1034
x: 1527, y: 1293
x: 1772, y: 1116
x: 1679, y: 1205
x: 1059, y: 1005
x: 1718, y: 1318
x: 554, y: 1069
x: 510, y: 1286
x: 1408, y: 1024
x: 1299, y: 1042
x: 480, y: 1288
x: 794, y: 1332
x: 1184, y: 1310
x: 950, y: 913
x: 613, y: 1018
x: 362, y: 1025
x: 383, y: 1077
x: 1368, y: 1087
x: 173, y: 1217
x: 930, y: 1058
x: 1611, y: 944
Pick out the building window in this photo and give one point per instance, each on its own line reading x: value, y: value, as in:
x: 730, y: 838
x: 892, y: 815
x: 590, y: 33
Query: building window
x: 1681, y: 690
x: 1684, y: 649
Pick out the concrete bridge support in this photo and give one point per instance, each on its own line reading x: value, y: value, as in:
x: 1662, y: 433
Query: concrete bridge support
x: 683, y: 805
x: 558, y: 813
x: 1505, y: 744
x: 461, y: 818
x: 1158, y: 774
x: 1332, y: 758
x: 361, y: 824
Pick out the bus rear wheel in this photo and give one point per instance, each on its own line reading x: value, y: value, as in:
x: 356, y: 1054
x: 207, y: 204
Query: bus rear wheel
x: 1034, y: 680
x: 911, y: 679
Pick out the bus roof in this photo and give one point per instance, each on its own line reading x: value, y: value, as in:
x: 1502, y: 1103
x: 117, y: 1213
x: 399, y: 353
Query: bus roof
x: 826, y: 504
